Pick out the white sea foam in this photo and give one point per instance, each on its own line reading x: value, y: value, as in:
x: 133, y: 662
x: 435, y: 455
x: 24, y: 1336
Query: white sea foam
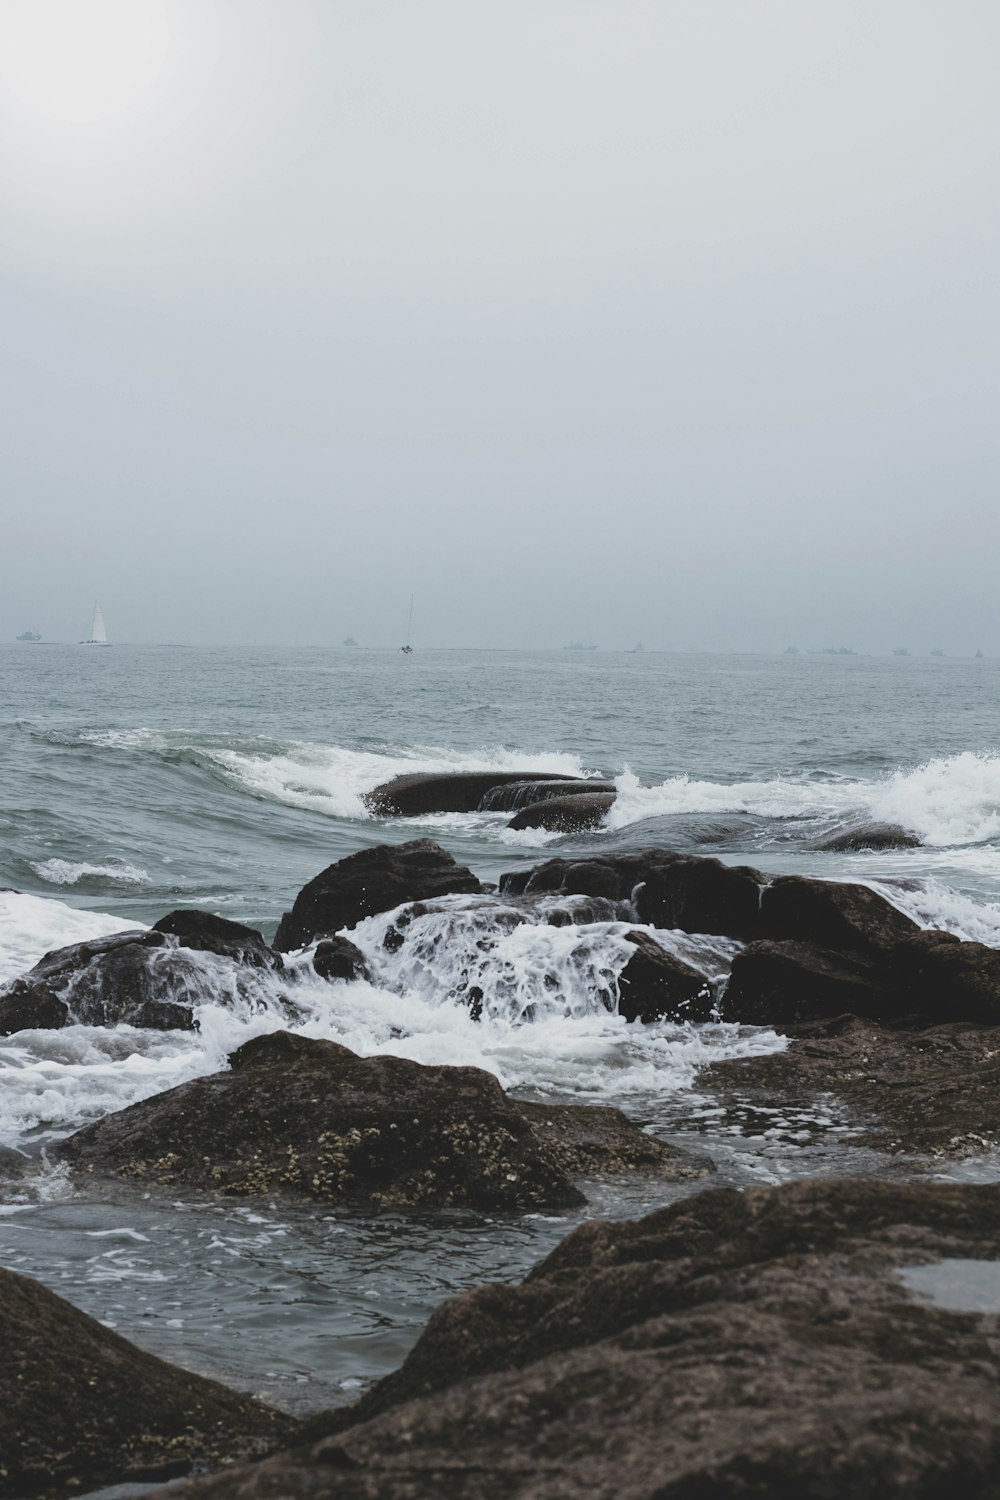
x: 66, y: 872
x: 31, y: 926
x: 333, y: 780
x: 545, y: 1022
x: 951, y: 800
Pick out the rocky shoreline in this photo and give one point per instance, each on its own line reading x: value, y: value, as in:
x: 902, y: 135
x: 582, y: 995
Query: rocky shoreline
x: 748, y: 1343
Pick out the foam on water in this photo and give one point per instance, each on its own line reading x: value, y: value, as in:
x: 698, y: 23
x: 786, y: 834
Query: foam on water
x: 548, y: 1019
x: 32, y: 925
x: 950, y: 800
x: 65, y: 872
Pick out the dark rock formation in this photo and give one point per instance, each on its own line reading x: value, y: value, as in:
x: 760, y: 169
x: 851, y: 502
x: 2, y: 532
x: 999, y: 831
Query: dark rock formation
x: 106, y: 982
x: 81, y: 1406
x: 565, y: 814
x: 369, y: 882
x: 150, y: 978
x: 779, y: 984
x: 655, y: 985
x: 868, y: 836
x: 211, y: 934
x: 928, y: 1091
x: 311, y: 1119
x: 756, y: 1344
x: 339, y: 958
x: 513, y: 796
x: 947, y: 979
x: 832, y: 914
x: 667, y: 890
x: 452, y: 791
x: 594, y: 1141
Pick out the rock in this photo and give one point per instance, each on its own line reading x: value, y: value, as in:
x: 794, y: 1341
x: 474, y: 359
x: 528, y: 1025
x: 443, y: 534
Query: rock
x: 948, y: 980
x: 656, y: 985
x: 339, y: 958
x: 514, y: 795
x: 868, y: 836
x: 565, y: 814
x: 453, y: 791
x: 106, y: 982
x: 150, y: 978
x: 666, y: 890
x: 843, y: 917
x: 779, y: 984
x: 591, y: 1140
x: 369, y: 882
x: 81, y: 1406
x: 310, y: 1119
x: 211, y: 934
x: 755, y: 1344
x: 923, y: 1091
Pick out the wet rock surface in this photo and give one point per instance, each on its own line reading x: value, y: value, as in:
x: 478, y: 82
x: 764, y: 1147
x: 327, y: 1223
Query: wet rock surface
x: 564, y: 814
x: 733, y: 1344
x: 150, y: 978
x: 339, y: 958
x: 929, y: 1091
x: 367, y: 883
x: 665, y: 889
x: 208, y: 933
x: 80, y: 1406
x: 455, y: 791
x: 868, y: 836
x: 656, y: 985
x: 515, y: 795
x: 311, y: 1119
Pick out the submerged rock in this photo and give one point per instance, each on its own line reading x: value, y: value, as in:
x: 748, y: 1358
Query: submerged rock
x: 565, y: 814
x: 80, y: 1406
x: 452, y: 791
x: 868, y: 836
x: 311, y: 1119
x: 919, y: 1090
x: 732, y: 1345
x: 367, y: 883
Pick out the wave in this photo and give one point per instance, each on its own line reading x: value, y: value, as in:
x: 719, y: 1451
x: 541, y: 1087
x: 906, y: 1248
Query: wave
x: 65, y: 872
x: 951, y: 800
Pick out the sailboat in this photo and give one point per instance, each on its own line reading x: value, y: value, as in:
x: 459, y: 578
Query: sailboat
x: 98, y: 634
x: 407, y: 650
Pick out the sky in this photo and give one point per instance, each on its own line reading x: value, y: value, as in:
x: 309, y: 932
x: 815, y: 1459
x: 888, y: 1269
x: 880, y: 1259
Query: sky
x: 659, y: 320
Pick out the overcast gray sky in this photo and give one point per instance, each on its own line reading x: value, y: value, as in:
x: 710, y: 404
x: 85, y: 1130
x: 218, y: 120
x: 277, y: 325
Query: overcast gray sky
x: 673, y: 321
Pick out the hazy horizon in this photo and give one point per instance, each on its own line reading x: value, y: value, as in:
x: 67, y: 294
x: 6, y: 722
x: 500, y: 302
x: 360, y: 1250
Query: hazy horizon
x: 576, y: 321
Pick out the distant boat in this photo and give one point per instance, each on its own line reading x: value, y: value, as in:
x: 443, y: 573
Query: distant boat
x: 791, y: 650
x: 937, y: 651
x: 837, y: 651
x: 407, y: 650
x: 581, y: 646
x: 901, y: 651
x: 350, y: 642
x: 636, y: 650
x: 978, y: 655
x: 36, y: 635
x: 98, y: 634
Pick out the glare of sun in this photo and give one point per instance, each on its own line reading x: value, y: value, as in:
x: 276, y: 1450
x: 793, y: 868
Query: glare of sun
x: 81, y: 63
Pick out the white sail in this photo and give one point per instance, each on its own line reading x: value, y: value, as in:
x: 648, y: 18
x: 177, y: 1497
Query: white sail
x: 98, y: 634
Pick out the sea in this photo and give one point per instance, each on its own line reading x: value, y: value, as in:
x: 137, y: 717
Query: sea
x: 139, y: 779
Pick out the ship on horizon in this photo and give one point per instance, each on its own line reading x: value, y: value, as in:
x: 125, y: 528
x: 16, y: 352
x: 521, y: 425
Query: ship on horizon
x: 30, y: 635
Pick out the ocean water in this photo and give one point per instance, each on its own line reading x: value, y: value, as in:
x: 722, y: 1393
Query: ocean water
x: 136, y: 780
